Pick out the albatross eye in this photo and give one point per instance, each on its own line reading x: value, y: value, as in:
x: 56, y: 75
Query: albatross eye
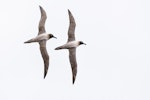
x: 50, y: 35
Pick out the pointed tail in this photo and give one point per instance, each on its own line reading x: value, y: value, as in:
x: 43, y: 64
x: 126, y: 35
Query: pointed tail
x: 30, y: 41
x: 58, y: 48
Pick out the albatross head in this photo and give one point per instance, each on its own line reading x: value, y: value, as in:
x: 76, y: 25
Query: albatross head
x: 52, y: 36
x: 81, y: 42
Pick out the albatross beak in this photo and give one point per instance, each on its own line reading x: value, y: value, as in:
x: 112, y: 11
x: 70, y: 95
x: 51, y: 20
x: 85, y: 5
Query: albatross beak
x: 54, y: 37
x: 84, y: 43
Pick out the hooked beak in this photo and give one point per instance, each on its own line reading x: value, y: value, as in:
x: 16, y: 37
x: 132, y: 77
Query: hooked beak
x: 84, y: 43
x: 54, y: 37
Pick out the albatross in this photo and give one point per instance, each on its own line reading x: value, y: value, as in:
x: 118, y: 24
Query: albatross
x: 71, y: 45
x: 42, y: 38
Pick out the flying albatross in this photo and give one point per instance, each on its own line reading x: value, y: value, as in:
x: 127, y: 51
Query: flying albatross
x: 42, y: 38
x: 71, y: 45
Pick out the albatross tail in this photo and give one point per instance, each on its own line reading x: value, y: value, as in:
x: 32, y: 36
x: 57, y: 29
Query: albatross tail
x: 60, y: 47
x: 30, y: 41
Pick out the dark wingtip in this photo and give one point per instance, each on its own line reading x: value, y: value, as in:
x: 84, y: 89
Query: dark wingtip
x: 44, y: 75
x: 69, y: 12
x: 71, y: 18
x: 73, y: 80
x: 40, y: 7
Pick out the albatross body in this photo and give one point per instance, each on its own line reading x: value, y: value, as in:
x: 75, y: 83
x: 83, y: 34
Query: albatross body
x: 71, y: 45
x: 42, y: 38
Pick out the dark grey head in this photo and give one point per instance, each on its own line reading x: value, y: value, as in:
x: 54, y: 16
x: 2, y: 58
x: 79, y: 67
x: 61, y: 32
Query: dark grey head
x: 51, y: 36
x: 81, y: 42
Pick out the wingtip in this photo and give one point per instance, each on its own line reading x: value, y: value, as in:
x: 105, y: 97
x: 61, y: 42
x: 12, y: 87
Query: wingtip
x: 44, y: 76
x: 40, y: 6
x: 73, y: 80
x: 45, y: 73
x: 71, y: 18
x: 69, y: 12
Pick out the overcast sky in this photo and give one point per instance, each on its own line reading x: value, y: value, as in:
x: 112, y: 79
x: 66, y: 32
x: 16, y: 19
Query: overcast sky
x: 114, y: 65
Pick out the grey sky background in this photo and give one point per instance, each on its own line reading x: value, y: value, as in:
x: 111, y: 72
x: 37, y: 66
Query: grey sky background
x: 114, y: 65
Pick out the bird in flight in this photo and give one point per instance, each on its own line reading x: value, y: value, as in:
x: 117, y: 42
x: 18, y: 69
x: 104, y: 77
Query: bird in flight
x: 42, y: 38
x: 71, y: 45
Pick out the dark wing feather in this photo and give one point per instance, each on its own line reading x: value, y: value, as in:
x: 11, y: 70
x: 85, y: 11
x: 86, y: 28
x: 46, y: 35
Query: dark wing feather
x: 71, y: 30
x: 42, y: 21
x: 73, y: 62
x: 45, y: 56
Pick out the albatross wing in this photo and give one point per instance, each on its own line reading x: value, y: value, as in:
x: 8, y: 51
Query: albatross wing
x: 45, y: 56
x: 71, y: 30
x: 42, y: 21
x: 73, y: 62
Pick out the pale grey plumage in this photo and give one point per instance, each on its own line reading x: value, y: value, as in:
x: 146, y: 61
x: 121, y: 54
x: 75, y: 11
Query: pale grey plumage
x: 71, y: 30
x: 42, y: 38
x: 42, y: 21
x: 71, y: 45
x: 45, y: 56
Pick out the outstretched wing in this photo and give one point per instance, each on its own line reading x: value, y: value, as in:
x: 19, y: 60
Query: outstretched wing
x: 42, y: 21
x: 73, y: 62
x: 71, y: 30
x: 45, y: 56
